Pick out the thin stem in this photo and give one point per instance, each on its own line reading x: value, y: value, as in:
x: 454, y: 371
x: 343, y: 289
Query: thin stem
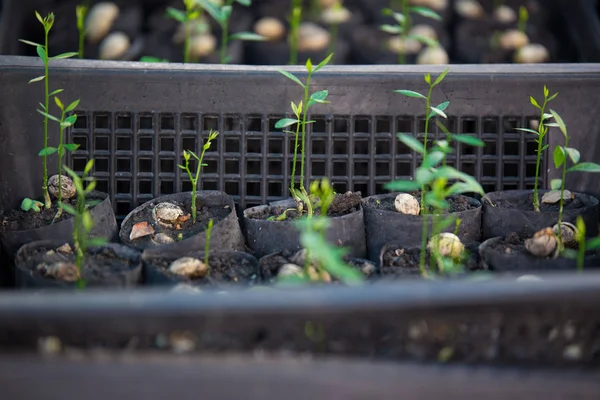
x: 224, y: 40
x: 293, y: 181
x: 423, y: 237
x: 47, y: 201
x: 333, y: 34
x: 424, y: 210
x: 186, y: 44
x: 207, y: 245
x: 541, y: 135
x: 81, y: 43
x: 304, y: 119
x: 562, y: 191
x: 294, y: 27
x: 404, y: 32
x: 60, y: 157
x: 79, y: 239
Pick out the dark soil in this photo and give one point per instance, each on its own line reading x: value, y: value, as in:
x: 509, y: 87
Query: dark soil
x: 457, y: 204
x: 97, y: 265
x: 398, y: 262
x: 19, y: 220
x: 343, y: 204
x: 512, y: 243
x: 188, y: 228
x: 527, y: 204
x: 224, y: 268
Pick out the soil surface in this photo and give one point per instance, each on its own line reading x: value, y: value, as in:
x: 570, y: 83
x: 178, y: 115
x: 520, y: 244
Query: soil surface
x: 224, y: 268
x: 526, y: 204
x: 186, y: 229
x: 343, y: 204
x: 400, y: 263
x: 457, y: 204
x: 97, y: 265
x: 19, y: 220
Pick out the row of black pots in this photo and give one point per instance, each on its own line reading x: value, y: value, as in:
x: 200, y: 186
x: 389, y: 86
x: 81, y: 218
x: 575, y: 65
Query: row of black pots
x: 365, y: 231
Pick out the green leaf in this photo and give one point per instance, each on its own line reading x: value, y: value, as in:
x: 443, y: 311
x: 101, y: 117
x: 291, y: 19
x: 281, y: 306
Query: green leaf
x: 213, y: 10
x: 546, y: 91
x: 97, y: 242
x: 433, y: 159
x: 573, y: 154
x: 309, y: 66
x: 324, y: 62
x: 246, y: 3
x: 30, y: 43
x: 39, y: 78
x: 527, y: 130
x: 585, y: 167
x: 553, y: 96
x: 285, y: 122
x: 68, y: 208
x: 451, y: 173
x: 425, y: 12
x: 424, y: 39
x: 88, y: 166
x: 52, y: 117
x: 54, y: 93
x: 441, y: 77
x: 71, y: 119
x: 64, y: 55
x: 468, y: 139
x: 318, y: 97
x: 534, y: 102
x: 248, y: 36
x: 427, y: 78
x: 394, y: 30
x: 31, y: 205
x: 410, y: 93
x: 176, y: 14
x: 423, y: 176
x: 291, y: 77
x: 58, y: 103
x: 439, y: 112
x: 72, y: 106
x: 411, y: 142
x: 402, y: 186
x: 42, y: 53
x: 559, y: 156
x: 556, y: 184
x: 560, y: 122
x: 593, y: 244
x: 581, y: 228
x: 443, y: 106
x: 71, y: 146
x: 47, y: 151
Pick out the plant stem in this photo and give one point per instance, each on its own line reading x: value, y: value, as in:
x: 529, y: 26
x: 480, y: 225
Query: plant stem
x: 294, y: 28
x: 60, y: 156
x: 224, y: 39
x: 304, y: 119
x: 581, y: 249
x: 293, y: 182
x: 541, y: 135
x: 186, y: 44
x: 404, y: 33
x: 562, y: 191
x: 207, y: 245
x: 47, y: 201
x: 78, y: 238
x: 81, y: 43
x: 424, y: 210
x: 333, y: 35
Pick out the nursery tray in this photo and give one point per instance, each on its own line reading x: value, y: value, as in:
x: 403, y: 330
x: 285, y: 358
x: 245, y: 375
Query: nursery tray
x: 136, y: 118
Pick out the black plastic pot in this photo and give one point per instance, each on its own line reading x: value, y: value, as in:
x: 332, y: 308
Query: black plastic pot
x: 127, y: 275
x: 226, y: 233
x: 265, y: 237
x: 102, y: 214
x: 497, y: 259
x: 386, y: 226
x: 156, y: 268
x: 500, y: 221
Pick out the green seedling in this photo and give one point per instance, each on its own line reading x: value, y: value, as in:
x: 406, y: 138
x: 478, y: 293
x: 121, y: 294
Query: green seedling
x: 404, y: 24
x: 195, y: 178
x: 64, y: 122
x: 221, y: 15
x: 189, y: 17
x: 295, y: 19
x: 583, y: 245
x: 523, y: 19
x: 541, y: 135
x: 81, y: 12
x: 562, y: 154
x: 300, y: 121
x: 43, y: 53
x: 31, y: 205
x: 83, y: 221
x: 209, y: 229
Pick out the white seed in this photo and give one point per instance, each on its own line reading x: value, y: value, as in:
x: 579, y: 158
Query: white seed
x: 318, y: 276
x: 368, y: 269
x: 202, y: 45
x: 542, y: 244
x: 569, y: 234
x: 289, y: 270
x: 65, y: 249
x: 189, y: 267
x: 448, y: 245
x: 67, y: 186
x: 407, y: 204
x: 532, y: 53
x: 99, y: 21
x: 140, y: 230
x: 114, y: 46
x: 182, y: 342
x: 49, y: 345
x: 553, y: 196
x: 505, y: 14
x: 433, y: 4
x: 572, y: 352
x: 433, y: 55
x: 311, y: 37
x: 398, y: 45
x: 167, y: 214
x: 336, y: 15
x: 161, y: 238
x: 62, y: 271
x: 469, y: 9
x: 270, y: 28
x: 513, y: 40
x: 424, y: 30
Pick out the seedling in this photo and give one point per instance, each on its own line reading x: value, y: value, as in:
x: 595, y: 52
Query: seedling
x: 523, y: 18
x: 81, y: 12
x: 583, y: 245
x: 64, y: 122
x: 207, y: 245
x: 541, y: 134
x: 84, y: 223
x: 295, y: 19
x: 31, y: 205
x: 561, y: 156
x: 195, y: 178
x: 404, y: 24
x: 300, y: 111
x: 191, y: 14
x: 43, y: 53
x: 221, y: 15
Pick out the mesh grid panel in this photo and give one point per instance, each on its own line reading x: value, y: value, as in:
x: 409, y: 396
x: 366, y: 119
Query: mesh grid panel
x: 136, y: 154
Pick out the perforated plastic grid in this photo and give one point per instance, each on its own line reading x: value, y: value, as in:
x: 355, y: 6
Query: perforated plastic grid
x: 136, y: 154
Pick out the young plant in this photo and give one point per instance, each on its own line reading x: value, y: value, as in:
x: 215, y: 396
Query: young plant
x: 300, y: 121
x: 523, y: 18
x: 404, y: 24
x: 541, y: 134
x: 188, y: 17
x: 63, y: 122
x: 195, y: 178
x: 295, y: 19
x: 221, y: 15
x: 561, y: 156
x: 83, y: 221
x: 583, y: 245
x: 43, y: 53
x: 207, y: 245
x: 81, y: 12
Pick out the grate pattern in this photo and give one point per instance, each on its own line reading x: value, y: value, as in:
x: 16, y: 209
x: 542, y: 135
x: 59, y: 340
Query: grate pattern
x: 137, y: 153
